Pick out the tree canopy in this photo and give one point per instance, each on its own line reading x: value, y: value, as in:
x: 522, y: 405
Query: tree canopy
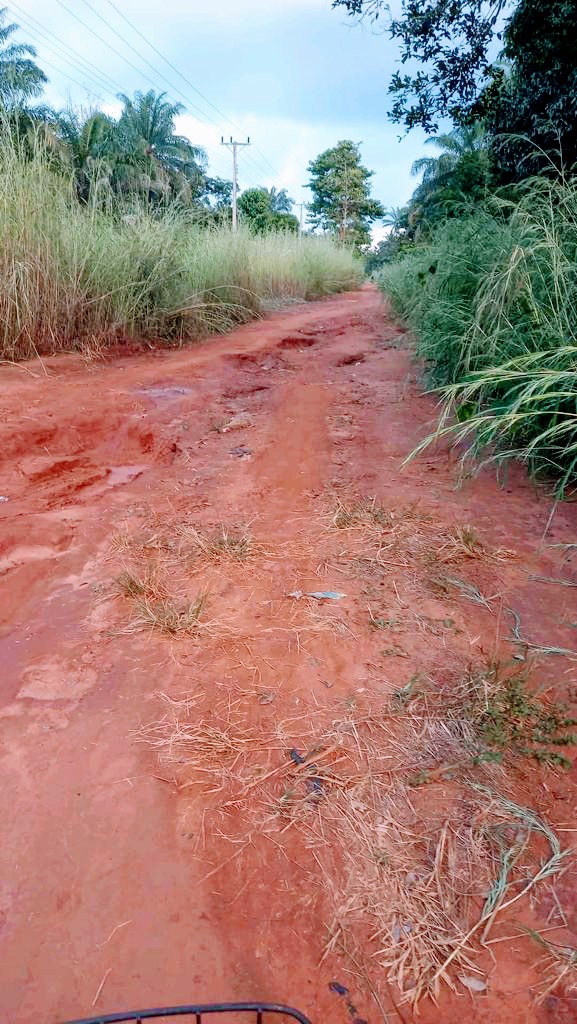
x: 342, y: 202
x: 20, y: 77
x: 444, y: 44
x: 526, y: 94
x: 267, y: 210
x: 530, y: 109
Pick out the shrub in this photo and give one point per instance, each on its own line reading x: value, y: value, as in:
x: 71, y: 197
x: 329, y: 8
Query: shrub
x: 493, y: 303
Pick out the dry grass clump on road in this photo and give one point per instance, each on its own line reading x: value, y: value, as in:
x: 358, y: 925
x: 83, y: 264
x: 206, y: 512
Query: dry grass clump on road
x: 155, y: 608
x: 410, y: 885
x: 187, y: 543
x: 223, y: 544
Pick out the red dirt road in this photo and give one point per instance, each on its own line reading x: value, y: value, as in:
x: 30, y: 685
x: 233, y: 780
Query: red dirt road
x: 116, y: 889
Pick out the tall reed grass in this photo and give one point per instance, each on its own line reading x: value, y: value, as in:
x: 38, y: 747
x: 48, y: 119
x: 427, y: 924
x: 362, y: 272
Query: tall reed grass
x: 493, y: 303
x: 71, y: 275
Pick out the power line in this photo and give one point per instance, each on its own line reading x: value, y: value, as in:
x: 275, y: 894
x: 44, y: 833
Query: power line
x: 203, y: 117
x: 77, y: 61
x: 134, y: 50
x: 184, y: 79
x: 42, y: 35
x: 75, y: 80
x: 155, y: 70
x: 101, y: 79
x: 109, y: 45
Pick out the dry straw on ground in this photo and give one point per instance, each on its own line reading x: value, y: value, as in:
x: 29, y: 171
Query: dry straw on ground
x: 185, y: 544
x: 558, y: 966
x: 162, y: 566
x: 380, y: 541
x: 153, y: 606
x: 415, y: 889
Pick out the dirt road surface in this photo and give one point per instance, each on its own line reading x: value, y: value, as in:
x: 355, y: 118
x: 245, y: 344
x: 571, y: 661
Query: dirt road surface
x: 121, y: 886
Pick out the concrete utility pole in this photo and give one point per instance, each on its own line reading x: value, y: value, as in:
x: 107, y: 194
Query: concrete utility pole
x: 300, y: 205
x: 233, y: 146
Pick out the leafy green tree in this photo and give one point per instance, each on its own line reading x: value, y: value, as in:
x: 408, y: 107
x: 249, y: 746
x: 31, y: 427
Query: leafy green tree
x: 527, y: 99
x: 259, y: 207
x: 217, y: 195
x: 219, y: 191
x: 215, y: 202
x: 20, y: 77
x: 286, y: 222
x: 530, y: 107
x: 449, y: 41
x: 254, y: 208
x: 342, y: 202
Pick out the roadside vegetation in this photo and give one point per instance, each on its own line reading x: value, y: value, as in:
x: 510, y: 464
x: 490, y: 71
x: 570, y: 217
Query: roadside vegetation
x: 491, y: 299
x: 74, y: 275
x: 113, y: 227
x: 482, y: 262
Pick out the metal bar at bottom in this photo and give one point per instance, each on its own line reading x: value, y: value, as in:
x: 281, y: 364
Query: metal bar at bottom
x: 197, y: 1011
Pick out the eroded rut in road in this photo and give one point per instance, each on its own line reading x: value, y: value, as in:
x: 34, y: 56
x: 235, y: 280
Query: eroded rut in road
x: 217, y: 786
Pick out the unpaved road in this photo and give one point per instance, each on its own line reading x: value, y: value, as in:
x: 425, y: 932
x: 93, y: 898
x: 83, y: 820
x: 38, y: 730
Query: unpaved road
x: 114, y: 890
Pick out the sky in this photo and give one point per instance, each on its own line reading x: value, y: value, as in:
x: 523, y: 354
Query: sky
x: 294, y: 75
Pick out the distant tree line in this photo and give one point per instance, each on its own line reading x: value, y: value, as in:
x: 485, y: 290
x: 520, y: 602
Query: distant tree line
x: 139, y: 154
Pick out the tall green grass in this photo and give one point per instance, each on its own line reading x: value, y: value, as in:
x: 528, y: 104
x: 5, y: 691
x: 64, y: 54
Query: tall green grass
x: 74, y: 275
x: 492, y: 301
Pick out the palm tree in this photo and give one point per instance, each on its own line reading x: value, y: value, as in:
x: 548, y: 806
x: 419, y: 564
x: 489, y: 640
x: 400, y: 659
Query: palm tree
x: 455, y: 145
x: 280, y: 201
x: 89, y: 144
x: 20, y: 78
x: 459, y: 176
x: 165, y: 162
x: 397, y: 218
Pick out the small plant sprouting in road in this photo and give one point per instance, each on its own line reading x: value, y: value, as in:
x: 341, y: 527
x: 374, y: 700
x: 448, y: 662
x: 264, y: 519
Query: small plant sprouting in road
x: 491, y: 714
x: 507, y: 717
